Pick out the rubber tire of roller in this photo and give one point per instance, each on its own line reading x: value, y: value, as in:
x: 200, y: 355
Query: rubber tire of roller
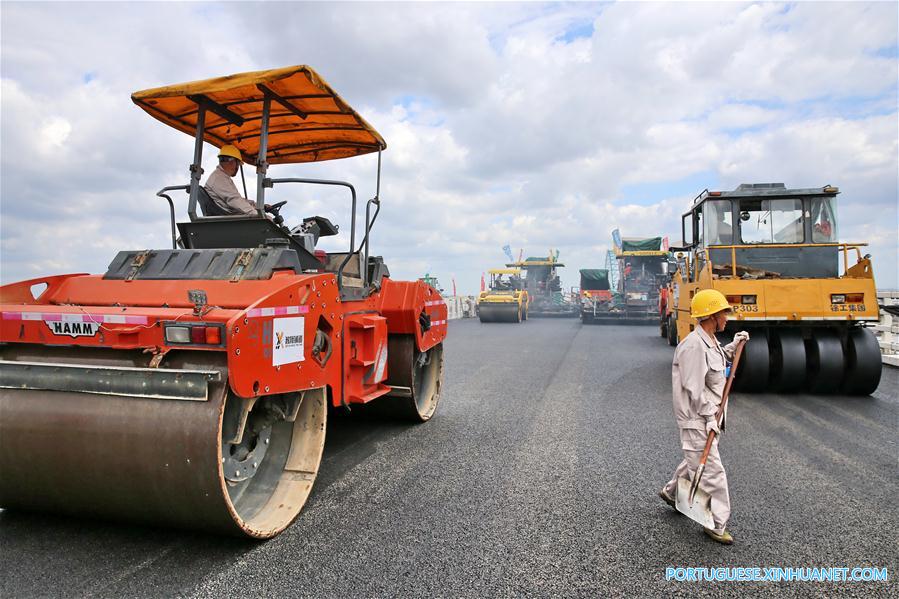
x: 755, y: 365
x: 826, y: 362
x: 672, y: 331
x: 788, y: 361
x: 864, y: 363
x: 663, y: 329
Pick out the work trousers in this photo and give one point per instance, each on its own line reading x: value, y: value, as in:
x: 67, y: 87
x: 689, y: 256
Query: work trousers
x: 714, y: 479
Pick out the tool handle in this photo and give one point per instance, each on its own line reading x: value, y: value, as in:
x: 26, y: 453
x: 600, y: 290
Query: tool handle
x: 727, y: 386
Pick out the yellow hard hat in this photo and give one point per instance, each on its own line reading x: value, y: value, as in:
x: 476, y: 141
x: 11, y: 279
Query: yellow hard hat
x: 230, y: 151
x: 708, y: 302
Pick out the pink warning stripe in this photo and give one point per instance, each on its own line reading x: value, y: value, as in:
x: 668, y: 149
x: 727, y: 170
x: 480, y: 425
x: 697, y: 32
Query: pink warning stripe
x: 434, y: 323
x: 277, y: 311
x: 66, y: 317
x: 434, y: 303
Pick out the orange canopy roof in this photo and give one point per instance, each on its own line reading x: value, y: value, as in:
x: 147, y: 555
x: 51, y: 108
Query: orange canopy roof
x: 309, y: 122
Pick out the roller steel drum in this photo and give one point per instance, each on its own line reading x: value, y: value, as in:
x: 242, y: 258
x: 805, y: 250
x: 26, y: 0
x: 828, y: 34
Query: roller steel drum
x: 160, y: 461
x: 499, y: 312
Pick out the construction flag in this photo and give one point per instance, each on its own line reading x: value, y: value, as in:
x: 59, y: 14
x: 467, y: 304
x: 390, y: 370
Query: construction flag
x: 454, y: 286
x: 508, y: 250
x: 665, y: 244
x: 483, y: 284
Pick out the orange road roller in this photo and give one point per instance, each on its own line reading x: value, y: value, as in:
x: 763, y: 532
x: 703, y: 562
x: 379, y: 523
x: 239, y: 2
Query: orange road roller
x: 189, y: 386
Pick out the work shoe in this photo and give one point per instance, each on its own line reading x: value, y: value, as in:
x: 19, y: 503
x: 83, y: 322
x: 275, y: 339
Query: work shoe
x: 667, y: 498
x: 725, y: 538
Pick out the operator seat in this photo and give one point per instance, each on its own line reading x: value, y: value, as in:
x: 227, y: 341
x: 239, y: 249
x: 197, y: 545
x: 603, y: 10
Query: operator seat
x: 207, y: 205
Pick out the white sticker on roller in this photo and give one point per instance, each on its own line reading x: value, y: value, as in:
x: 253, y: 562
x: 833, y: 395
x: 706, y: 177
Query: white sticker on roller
x: 287, y: 340
x: 381, y: 363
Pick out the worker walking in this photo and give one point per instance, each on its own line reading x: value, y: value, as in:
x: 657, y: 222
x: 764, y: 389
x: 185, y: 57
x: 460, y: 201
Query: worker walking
x: 698, y: 378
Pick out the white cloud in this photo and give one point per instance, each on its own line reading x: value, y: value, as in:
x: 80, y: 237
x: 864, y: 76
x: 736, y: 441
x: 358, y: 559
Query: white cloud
x: 514, y: 123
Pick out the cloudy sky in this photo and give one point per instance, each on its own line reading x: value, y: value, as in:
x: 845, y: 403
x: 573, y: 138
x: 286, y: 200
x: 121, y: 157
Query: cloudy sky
x: 535, y: 125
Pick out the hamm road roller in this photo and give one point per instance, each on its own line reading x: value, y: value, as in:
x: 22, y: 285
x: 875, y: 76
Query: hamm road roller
x: 506, y: 299
x: 773, y: 252
x: 189, y: 386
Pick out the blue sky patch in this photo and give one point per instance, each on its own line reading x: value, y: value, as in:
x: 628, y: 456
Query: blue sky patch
x: 577, y: 31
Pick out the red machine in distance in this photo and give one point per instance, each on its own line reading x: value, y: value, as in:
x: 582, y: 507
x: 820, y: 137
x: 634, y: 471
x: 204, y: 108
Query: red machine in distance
x: 189, y: 386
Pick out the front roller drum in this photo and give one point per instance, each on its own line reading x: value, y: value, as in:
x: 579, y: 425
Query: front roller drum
x: 500, y: 312
x: 415, y: 378
x: 216, y: 463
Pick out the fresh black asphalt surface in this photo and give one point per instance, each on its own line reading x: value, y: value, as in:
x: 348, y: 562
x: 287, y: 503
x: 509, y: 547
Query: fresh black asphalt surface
x: 537, y: 476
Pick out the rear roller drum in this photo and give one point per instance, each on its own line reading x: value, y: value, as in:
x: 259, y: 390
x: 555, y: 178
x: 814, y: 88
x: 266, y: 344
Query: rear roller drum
x: 825, y: 362
x: 788, y: 365
x: 754, y: 367
x: 416, y: 378
x: 863, y: 363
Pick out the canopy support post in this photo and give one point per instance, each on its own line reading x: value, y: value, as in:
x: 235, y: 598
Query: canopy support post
x: 261, y: 163
x: 196, y: 168
x: 368, y: 223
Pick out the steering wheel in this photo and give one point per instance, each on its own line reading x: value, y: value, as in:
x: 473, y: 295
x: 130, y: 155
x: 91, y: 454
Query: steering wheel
x: 275, y: 210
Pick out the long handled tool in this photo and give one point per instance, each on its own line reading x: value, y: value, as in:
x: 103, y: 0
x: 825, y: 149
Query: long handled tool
x: 691, y: 501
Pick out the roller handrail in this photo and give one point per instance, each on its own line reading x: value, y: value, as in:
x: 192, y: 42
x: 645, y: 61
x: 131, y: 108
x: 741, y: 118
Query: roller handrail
x: 844, y: 246
x: 162, y: 194
x: 270, y: 183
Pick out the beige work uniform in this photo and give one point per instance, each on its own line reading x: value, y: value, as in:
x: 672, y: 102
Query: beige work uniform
x: 225, y: 195
x: 697, y: 380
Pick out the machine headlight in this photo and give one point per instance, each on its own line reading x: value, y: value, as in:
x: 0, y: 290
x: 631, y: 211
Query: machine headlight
x: 748, y: 299
x: 837, y: 298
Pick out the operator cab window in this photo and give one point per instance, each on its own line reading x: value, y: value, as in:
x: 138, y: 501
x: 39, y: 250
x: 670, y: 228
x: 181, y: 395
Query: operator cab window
x: 824, y: 221
x: 771, y: 221
x: 719, y: 229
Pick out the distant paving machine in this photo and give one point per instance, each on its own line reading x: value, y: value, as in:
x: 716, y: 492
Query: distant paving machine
x: 595, y: 294
x: 541, y: 281
x: 505, y: 299
x: 189, y: 386
x: 773, y: 252
x: 639, y: 267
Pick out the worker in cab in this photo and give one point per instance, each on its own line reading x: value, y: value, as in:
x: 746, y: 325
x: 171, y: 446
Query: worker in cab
x: 221, y: 188
x: 697, y: 379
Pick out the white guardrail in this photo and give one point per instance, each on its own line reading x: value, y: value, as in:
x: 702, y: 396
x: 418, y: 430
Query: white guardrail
x: 887, y: 330
x: 460, y: 306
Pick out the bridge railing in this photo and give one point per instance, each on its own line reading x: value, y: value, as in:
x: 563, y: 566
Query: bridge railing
x: 887, y: 330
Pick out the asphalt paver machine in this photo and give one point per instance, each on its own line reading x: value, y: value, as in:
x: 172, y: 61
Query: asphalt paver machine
x: 774, y: 253
x: 627, y: 291
x: 188, y: 386
x: 544, y: 287
x: 595, y: 295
